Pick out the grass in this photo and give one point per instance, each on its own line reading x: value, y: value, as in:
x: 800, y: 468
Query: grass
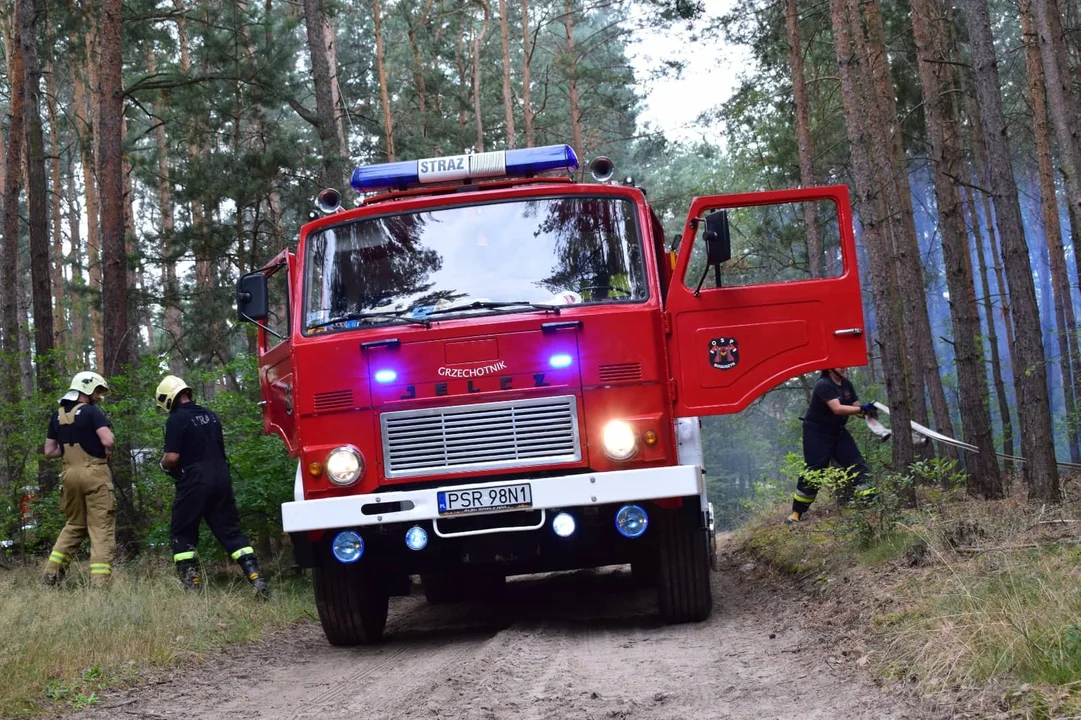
x: 984, y: 597
x: 65, y: 645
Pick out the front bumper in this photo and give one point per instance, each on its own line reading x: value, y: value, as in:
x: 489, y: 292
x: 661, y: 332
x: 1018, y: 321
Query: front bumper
x: 567, y: 491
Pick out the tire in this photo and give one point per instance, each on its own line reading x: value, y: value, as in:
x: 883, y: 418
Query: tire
x: 683, y: 583
x: 352, y: 604
x: 713, y: 560
x: 444, y: 588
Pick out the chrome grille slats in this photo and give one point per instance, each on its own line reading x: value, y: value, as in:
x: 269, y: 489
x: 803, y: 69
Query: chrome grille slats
x: 514, y: 433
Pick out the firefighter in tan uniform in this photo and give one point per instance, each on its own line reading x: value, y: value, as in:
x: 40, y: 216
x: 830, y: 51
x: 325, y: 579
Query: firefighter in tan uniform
x: 80, y: 435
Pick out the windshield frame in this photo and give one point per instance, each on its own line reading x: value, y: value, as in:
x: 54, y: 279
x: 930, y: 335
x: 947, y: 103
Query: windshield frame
x: 489, y: 197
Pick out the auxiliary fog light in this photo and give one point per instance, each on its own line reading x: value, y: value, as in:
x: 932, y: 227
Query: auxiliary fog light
x: 563, y: 524
x: 416, y: 538
x: 631, y: 521
x: 348, y: 547
x: 620, y: 441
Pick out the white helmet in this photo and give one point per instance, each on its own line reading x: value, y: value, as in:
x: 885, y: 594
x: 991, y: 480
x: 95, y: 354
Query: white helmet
x: 168, y: 389
x: 86, y: 383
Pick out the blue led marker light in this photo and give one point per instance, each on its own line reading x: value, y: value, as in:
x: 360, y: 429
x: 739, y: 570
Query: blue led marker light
x: 501, y: 163
x: 385, y: 376
x: 561, y: 360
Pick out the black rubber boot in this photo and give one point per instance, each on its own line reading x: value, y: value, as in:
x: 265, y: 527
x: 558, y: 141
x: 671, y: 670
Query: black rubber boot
x: 250, y: 566
x: 190, y: 575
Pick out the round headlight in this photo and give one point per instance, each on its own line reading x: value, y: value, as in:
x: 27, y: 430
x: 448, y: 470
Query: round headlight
x: 344, y: 465
x: 620, y: 441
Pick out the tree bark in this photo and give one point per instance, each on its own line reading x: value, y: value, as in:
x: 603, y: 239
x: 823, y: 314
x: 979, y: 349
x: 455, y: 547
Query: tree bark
x: 508, y: 99
x: 57, y: 267
x: 1069, y: 361
x: 79, y: 317
x: 384, y: 93
x: 9, y: 288
x: 815, y: 263
x: 935, y: 64
x: 321, y: 46
x: 571, y: 62
x: 82, y: 73
x: 478, y: 40
x: 527, y: 79
x: 1030, y: 374
x: 109, y: 133
x: 883, y: 286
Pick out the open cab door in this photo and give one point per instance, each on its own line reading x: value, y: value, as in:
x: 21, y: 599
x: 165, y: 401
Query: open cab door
x: 263, y: 298
x: 765, y: 288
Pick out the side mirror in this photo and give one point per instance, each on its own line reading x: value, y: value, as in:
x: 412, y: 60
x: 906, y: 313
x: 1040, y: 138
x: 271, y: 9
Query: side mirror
x: 718, y: 238
x: 251, y: 297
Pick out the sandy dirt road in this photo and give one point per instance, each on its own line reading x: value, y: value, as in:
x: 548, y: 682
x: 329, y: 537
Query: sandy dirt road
x: 580, y: 645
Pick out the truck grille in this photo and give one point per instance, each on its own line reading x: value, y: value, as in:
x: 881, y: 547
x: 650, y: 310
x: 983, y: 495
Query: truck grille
x: 517, y: 433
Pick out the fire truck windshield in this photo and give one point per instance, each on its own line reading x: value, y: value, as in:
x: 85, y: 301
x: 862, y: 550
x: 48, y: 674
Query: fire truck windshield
x: 448, y: 262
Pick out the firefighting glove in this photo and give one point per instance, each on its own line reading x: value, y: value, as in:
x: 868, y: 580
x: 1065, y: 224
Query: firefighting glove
x: 868, y: 408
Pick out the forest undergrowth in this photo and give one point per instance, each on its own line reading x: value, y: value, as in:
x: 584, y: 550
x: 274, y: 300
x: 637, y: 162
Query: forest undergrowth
x: 972, y: 604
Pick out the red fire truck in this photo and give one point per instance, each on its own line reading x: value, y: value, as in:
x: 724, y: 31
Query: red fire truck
x: 487, y: 368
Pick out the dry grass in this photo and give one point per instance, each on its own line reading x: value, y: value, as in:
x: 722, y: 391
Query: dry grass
x: 64, y: 645
x: 983, y: 598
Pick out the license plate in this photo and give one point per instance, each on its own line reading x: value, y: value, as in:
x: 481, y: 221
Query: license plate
x: 500, y: 497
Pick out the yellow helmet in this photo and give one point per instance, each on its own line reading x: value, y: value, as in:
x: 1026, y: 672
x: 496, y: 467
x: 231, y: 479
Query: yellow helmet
x: 168, y: 389
x: 87, y: 383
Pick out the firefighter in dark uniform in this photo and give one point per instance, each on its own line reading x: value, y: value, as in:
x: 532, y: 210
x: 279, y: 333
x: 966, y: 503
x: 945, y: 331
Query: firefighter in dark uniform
x: 825, y: 439
x: 195, y: 458
x: 80, y: 435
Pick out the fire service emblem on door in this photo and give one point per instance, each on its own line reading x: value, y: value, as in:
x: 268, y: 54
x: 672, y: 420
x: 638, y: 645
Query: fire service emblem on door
x: 723, y: 353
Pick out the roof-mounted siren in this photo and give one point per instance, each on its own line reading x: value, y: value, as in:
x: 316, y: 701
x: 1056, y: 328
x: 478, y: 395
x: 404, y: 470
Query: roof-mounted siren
x: 523, y: 162
x: 602, y: 168
x: 329, y: 201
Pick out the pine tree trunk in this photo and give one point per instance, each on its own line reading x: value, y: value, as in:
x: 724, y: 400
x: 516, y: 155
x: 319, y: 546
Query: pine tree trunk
x: 384, y: 93
x: 57, y: 265
x: 571, y: 61
x: 478, y: 40
x: 527, y: 79
x: 76, y: 348
x: 883, y: 287
x: 992, y: 332
x: 419, y: 71
x: 9, y: 287
x: 803, y: 137
x: 1069, y: 361
x: 109, y: 131
x: 508, y: 99
x: 88, y: 157
x: 331, y: 136
x: 1030, y: 375
x: 935, y: 63
x: 1060, y: 95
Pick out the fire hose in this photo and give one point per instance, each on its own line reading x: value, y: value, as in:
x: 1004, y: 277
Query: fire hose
x: 922, y: 434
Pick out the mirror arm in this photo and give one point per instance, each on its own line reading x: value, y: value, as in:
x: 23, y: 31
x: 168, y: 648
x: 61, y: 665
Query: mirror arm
x: 259, y: 324
x: 717, y: 274
x: 698, y: 290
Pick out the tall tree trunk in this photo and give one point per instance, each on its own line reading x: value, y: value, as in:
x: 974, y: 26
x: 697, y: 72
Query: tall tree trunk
x: 82, y: 73
x: 803, y: 138
x: 478, y: 40
x: 1060, y: 95
x: 57, y: 267
x: 384, y: 93
x: 79, y: 319
x: 571, y: 61
x: 992, y: 333
x: 527, y: 79
x: 321, y: 46
x: 13, y: 165
x: 508, y: 99
x: 413, y: 21
x: 935, y: 65
x: 883, y: 286
x: 37, y: 192
x: 109, y: 132
x: 1069, y: 361
x: 1030, y: 374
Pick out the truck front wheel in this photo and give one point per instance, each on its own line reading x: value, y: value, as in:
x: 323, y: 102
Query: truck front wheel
x: 683, y: 581
x: 352, y: 604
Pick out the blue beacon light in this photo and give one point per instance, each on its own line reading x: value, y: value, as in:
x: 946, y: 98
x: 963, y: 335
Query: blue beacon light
x: 561, y: 360
x: 500, y: 163
x: 385, y: 376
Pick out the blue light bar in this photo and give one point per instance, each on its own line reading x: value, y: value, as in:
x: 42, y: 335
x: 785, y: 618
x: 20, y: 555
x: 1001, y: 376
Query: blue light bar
x: 501, y: 163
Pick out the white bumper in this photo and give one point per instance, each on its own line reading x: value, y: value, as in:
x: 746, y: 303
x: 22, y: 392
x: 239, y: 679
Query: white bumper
x: 552, y: 492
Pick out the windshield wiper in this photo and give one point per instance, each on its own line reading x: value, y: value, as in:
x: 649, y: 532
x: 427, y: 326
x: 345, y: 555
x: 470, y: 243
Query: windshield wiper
x: 370, y: 316
x: 489, y: 305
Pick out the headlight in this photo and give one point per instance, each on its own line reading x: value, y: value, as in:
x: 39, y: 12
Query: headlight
x: 620, y: 441
x: 344, y: 465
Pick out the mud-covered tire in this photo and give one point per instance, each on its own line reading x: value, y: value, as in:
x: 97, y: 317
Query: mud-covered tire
x: 444, y: 588
x: 352, y: 605
x: 683, y: 580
